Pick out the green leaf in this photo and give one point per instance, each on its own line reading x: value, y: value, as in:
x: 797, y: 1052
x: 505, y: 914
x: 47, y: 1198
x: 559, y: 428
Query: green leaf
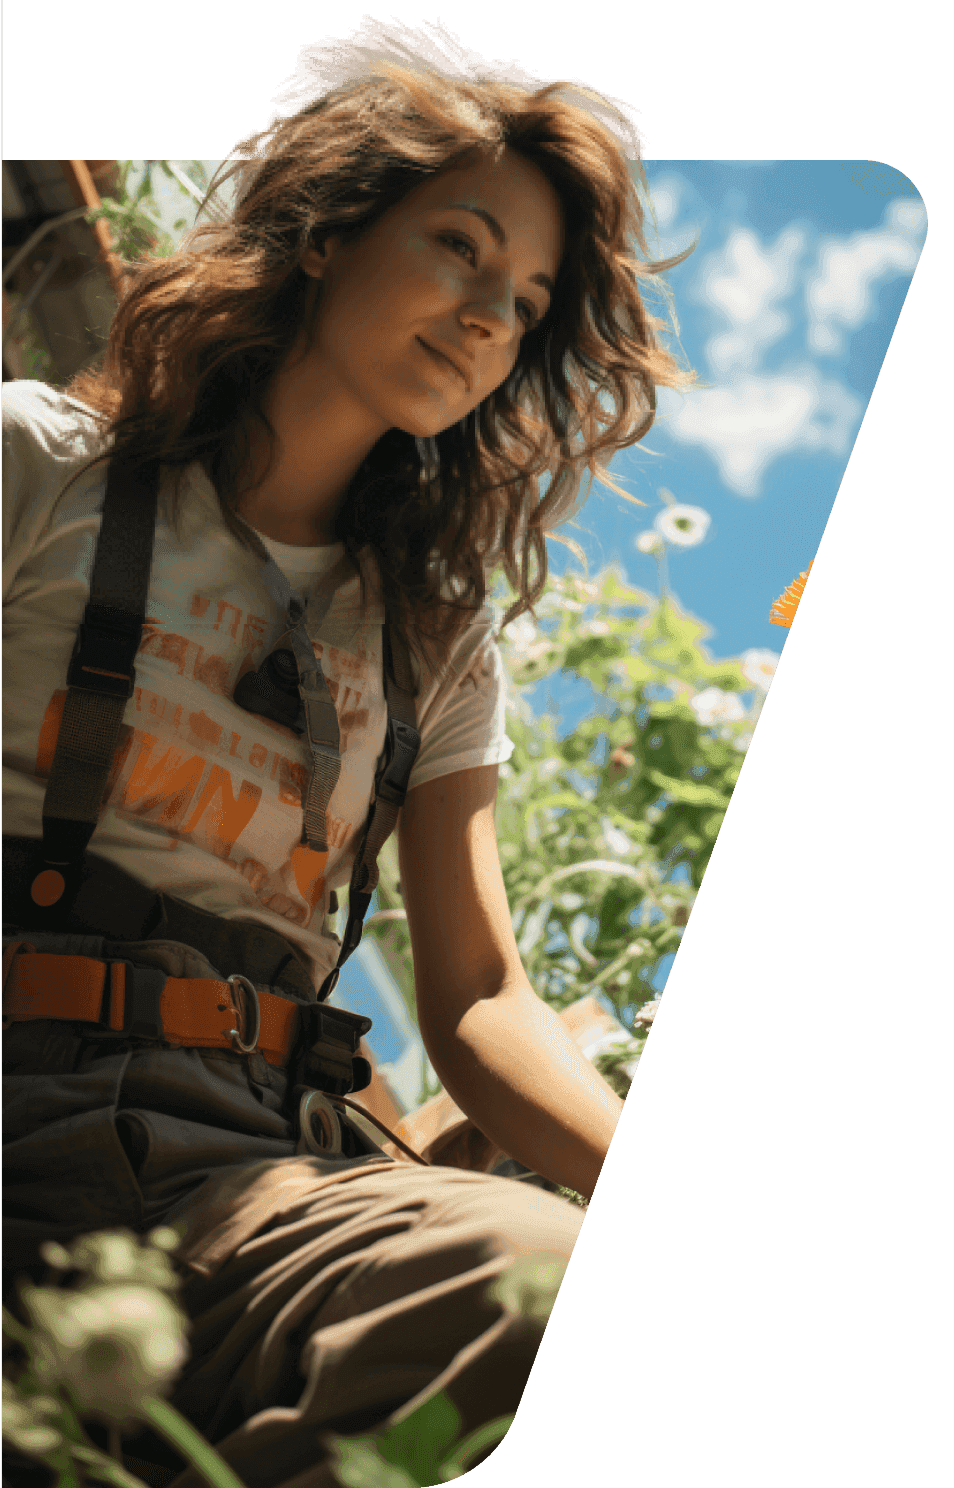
x: 104, y: 1469
x: 420, y: 1442
x: 488, y: 1435
x: 688, y: 792
x: 182, y: 1435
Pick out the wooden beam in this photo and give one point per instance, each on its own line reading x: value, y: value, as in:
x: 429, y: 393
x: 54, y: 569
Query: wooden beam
x: 83, y: 187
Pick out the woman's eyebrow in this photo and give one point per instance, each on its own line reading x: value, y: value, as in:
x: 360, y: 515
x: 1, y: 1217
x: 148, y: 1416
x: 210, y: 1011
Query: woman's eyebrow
x: 499, y: 236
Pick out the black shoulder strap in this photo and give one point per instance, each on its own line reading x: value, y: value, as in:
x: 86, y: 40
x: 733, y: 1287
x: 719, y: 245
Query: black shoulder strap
x: 101, y: 678
x: 401, y: 745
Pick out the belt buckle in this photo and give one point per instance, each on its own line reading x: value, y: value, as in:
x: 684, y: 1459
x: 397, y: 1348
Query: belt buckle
x: 233, y: 1034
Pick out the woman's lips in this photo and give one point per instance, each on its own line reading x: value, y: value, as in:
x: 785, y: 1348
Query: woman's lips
x: 444, y: 363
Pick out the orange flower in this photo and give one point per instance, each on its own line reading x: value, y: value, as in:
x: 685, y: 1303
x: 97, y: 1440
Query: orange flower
x: 783, y: 610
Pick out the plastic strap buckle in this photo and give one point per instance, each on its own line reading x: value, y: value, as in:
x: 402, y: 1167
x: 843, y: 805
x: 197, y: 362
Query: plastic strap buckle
x: 105, y: 649
x: 330, y: 1037
x: 404, y: 741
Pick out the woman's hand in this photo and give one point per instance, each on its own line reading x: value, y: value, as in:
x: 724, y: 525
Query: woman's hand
x: 501, y: 1052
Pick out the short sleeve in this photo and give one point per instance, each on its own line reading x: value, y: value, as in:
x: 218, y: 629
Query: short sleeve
x: 461, y: 714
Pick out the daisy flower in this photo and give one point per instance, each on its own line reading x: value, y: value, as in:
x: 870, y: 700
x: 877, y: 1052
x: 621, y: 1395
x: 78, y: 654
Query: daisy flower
x: 683, y: 526
x: 758, y: 667
x: 715, y: 706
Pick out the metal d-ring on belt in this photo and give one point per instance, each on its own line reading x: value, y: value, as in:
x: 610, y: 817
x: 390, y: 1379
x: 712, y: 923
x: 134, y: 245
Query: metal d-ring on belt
x: 240, y: 1045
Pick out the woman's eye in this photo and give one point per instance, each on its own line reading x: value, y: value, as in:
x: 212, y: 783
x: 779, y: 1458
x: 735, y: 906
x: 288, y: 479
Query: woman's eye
x: 461, y: 246
x: 527, y: 314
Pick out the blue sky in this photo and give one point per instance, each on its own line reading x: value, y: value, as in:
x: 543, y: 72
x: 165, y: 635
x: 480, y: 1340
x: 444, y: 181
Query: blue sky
x: 786, y: 309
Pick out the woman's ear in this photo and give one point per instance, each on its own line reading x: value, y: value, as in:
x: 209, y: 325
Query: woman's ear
x: 317, y: 257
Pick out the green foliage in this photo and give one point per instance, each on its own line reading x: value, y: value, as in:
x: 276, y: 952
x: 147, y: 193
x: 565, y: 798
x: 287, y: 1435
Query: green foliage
x: 133, y: 214
x: 419, y: 1451
x: 605, y: 831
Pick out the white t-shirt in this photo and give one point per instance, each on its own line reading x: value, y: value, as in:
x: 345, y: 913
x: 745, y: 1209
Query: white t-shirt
x: 205, y: 800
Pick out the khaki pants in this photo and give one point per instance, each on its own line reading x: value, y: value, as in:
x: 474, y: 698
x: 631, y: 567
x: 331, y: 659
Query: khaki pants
x: 325, y: 1293
x: 356, y: 1299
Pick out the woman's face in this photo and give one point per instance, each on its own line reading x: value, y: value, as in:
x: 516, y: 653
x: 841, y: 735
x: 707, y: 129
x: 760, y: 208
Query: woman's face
x: 423, y: 317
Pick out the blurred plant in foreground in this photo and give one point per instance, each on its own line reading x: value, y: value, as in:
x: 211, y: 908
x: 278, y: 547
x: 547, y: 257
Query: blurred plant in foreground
x: 101, y: 1341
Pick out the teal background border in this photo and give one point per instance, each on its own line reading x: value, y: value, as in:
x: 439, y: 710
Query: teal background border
x: 761, y: 1289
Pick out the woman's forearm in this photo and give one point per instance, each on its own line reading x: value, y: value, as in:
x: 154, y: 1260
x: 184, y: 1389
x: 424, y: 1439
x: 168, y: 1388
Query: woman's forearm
x: 511, y: 1065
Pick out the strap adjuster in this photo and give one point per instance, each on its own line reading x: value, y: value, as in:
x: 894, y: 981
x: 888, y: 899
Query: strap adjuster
x: 104, y: 652
x: 142, y: 1016
x: 404, y: 741
x: 330, y: 1038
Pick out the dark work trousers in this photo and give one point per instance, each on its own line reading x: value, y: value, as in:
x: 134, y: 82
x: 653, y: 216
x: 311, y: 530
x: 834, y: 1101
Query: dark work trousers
x: 325, y: 1293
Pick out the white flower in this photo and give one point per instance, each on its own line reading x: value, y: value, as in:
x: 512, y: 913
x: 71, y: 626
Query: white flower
x: 616, y: 840
x: 715, y: 706
x: 758, y: 667
x: 649, y: 542
x: 26, y: 1421
x: 595, y: 628
x: 683, y: 526
x: 521, y: 633
x: 111, y: 1346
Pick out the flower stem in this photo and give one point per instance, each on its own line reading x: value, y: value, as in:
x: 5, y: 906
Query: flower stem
x: 661, y: 565
x: 488, y: 1435
x: 182, y: 1435
x: 106, y: 1470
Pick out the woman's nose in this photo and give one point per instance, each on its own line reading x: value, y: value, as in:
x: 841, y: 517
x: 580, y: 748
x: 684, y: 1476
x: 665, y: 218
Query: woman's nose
x: 494, y: 312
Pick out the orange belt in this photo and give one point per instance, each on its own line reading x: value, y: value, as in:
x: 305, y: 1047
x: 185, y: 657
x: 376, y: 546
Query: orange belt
x: 191, y: 1012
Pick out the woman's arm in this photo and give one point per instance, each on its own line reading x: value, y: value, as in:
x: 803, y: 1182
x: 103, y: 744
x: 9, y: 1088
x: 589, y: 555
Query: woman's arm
x: 500, y: 1051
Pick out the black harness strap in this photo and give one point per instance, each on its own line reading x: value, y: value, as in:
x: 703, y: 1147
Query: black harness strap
x: 101, y: 679
x: 401, y: 746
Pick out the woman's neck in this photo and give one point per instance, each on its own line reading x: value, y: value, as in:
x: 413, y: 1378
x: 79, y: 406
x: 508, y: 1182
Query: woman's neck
x: 322, y: 437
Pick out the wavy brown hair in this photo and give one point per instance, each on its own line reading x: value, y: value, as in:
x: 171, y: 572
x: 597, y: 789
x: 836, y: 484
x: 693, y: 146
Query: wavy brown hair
x: 198, y: 336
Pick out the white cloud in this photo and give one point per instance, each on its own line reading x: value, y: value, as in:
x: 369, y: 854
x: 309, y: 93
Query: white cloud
x: 666, y: 195
x: 669, y: 236
x: 841, y: 293
x: 745, y: 281
x: 751, y: 420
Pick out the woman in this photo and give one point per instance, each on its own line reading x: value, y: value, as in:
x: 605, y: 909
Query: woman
x: 389, y: 372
